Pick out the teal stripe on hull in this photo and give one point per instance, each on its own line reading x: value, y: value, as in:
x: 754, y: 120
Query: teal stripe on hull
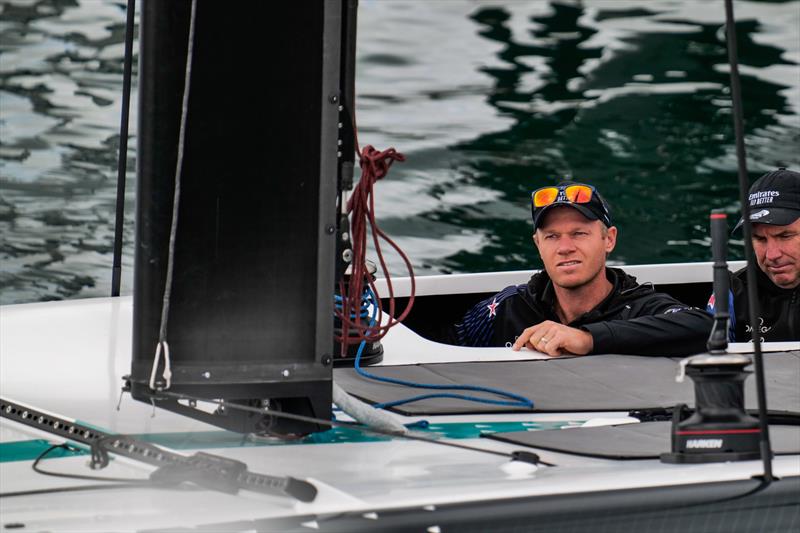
x: 197, y: 440
x: 28, y: 450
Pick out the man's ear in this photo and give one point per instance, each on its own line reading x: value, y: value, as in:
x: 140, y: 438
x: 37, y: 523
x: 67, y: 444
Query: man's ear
x: 536, y: 239
x: 611, y: 239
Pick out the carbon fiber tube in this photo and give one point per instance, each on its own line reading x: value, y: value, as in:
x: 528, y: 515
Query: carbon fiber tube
x: 718, y: 340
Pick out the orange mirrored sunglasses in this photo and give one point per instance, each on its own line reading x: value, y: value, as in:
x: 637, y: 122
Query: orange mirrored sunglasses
x: 576, y: 194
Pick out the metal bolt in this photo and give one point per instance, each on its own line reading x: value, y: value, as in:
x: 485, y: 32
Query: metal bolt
x: 206, y: 374
x: 345, y: 236
x: 340, y: 125
x: 341, y: 108
x: 330, y: 229
x: 339, y: 142
x: 326, y: 360
x: 334, y: 99
x: 285, y: 373
x: 24, y: 415
x: 347, y: 255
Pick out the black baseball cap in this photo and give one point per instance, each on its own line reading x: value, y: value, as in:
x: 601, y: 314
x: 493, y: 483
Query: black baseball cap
x: 774, y: 198
x: 584, y: 198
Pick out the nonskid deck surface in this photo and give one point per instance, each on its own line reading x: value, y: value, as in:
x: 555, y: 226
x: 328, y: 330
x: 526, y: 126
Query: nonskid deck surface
x: 589, y: 383
x: 74, y: 367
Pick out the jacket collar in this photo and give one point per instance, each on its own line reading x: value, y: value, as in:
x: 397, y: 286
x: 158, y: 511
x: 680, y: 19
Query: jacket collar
x: 623, y: 288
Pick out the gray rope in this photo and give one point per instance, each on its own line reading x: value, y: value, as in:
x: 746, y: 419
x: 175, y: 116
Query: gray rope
x: 162, y: 333
x: 365, y: 413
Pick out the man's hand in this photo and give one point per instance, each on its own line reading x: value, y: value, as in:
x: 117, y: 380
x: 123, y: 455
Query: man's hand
x: 553, y: 338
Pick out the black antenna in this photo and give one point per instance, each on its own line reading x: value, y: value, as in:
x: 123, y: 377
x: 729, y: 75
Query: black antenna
x: 718, y: 340
x: 752, y: 297
x: 122, y: 163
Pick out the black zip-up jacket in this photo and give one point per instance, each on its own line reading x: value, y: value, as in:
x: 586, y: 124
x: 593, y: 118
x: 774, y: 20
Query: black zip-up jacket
x: 779, y: 309
x: 632, y: 319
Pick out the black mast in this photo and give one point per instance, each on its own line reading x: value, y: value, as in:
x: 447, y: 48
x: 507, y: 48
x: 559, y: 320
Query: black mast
x: 248, y: 266
x: 741, y: 158
x: 122, y: 163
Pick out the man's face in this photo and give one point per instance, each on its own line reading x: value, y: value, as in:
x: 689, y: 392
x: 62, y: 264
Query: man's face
x: 777, y: 250
x: 572, y: 247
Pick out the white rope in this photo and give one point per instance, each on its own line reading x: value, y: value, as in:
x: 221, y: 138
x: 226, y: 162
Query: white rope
x: 167, y: 373
x: 365, y: 413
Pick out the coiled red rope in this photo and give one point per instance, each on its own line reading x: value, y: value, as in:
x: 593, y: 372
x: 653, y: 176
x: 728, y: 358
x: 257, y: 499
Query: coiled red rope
x: 361, y: 208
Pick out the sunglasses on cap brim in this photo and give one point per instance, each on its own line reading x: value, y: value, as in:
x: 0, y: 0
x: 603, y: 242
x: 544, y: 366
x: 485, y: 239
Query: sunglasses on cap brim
x: 576, y: 194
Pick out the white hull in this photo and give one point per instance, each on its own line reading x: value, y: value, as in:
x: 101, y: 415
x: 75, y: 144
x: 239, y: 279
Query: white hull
x: 68, y: 358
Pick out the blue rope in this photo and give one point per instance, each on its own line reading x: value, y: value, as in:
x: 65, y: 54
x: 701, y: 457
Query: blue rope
x: 518, y: 401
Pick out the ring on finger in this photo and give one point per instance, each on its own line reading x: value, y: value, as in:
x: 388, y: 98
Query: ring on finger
x: 544, y: 340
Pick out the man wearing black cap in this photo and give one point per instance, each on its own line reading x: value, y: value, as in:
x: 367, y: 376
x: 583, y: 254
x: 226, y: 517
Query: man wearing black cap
x: 775, y: 214
x: 577, y: 305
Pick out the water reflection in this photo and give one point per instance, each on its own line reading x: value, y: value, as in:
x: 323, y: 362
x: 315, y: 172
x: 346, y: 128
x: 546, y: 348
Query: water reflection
x: 645, y: 117
x: 487, y: 99
x: 61, y: 75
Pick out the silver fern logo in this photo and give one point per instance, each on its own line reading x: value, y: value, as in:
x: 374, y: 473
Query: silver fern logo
x: 760, y: 214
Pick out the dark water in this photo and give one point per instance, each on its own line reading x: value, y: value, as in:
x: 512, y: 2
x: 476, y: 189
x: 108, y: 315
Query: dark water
x: 488, y: 100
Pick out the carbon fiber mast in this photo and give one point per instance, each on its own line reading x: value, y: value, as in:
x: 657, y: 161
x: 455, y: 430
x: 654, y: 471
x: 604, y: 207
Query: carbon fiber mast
x: 236, y: 209
x: 752, y: 296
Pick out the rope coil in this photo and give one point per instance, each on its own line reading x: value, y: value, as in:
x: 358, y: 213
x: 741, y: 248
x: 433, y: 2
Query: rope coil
x: 375, y: 165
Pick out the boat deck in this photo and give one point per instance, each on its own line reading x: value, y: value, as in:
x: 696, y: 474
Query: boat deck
x: 74, y: 365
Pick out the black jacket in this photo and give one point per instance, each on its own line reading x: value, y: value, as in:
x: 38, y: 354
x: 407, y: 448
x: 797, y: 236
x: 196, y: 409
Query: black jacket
x: 779, y: 310
x: 633, y: 318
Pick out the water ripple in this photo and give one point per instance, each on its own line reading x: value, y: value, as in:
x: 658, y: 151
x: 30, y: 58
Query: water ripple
x: 488, y: 100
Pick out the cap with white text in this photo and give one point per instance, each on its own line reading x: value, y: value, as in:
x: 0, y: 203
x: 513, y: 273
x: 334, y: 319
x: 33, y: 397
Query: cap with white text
x: 774, y: 199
